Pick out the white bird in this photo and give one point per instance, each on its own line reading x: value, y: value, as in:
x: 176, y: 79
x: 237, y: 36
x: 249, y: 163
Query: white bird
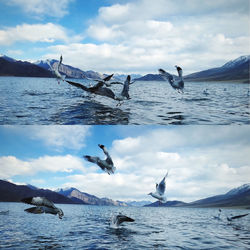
x: 43, y: 205
x: 106, y: 165
x: 116, y: 220
x: 160, y: 190
x: 56, y: 70
x: 205, y: 92
x: 219, y: 213
x: 177, y: 84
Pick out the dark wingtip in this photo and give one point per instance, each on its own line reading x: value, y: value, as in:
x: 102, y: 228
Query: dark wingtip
x: 86, y: 157
x: 161, y: 71
x: 101, y: 146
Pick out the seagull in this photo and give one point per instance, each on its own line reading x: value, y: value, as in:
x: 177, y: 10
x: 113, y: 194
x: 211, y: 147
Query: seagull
x: 116, y: 220
x: 218, y: 217
x: 236, y: 217
x: 160, y: 189
x: 106, y: 165
x: 205, y: 92
x: 175, y: 83
x: 98, y: 89
x: 43, y: 205
x: 56, y: 70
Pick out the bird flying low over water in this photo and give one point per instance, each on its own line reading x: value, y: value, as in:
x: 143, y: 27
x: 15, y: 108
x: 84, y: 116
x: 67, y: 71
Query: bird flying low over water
x: 98, y: 89
x: 160, y: 190
x: 56, y: 70
x: 236, y: 217
x: 106, y: 165
x: 116, y: 220
x: 42, y: 205
x: 218, y: 217
x: 177, y: 84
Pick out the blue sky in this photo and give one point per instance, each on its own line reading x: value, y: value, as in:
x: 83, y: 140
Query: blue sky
x: 202, y: 160
x: 126, y: 36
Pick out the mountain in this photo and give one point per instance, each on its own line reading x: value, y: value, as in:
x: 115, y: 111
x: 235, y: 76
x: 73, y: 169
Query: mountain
x: 85, y: 198
x: 11, y: 67
x: 237, y: 197
x: 150, y: 77
x: 138, y: 203
x: 167, y: 204
x: 68, y: 70
x: 237, y: 69
x: 7, y: 58
x: 10, y: 192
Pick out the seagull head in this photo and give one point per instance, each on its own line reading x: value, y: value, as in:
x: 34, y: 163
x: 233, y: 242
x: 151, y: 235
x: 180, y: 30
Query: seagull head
x: 60, y: 213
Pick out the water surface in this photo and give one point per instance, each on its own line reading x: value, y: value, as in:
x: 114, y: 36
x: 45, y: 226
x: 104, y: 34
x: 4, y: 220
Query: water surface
x: 87, y: 227
x: 44, y: 101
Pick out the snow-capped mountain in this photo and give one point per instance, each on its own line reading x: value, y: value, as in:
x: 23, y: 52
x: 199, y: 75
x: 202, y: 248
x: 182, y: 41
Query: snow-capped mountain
x: 85, y: 198
x: 238, y: 61
x: 68, y: 70
x: 237, y: 69
x: 239, y: 190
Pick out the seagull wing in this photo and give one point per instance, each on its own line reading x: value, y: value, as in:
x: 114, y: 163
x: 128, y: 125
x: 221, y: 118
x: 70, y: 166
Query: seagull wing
x: 35, y: 210
x: 121, y: 218
x: 238, y: 216
x: 105, y: 92
x: 167, y: 77
x: 161, y: 187
x: 78, y: 85
x: 126, y: 87
x: 93, y: 159
x: 107, y: 78
x: 116, y: 83
x: 38, y: 201
x: 60, y: 62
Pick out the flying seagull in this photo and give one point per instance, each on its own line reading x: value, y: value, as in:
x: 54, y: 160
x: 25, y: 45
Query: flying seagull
x: 98, y: 89
x: 56, y: 70
x: 116, y: 220
x: 160, y: 190
x: 236, y: 217
x: 177, y: 84
x: 106, y: 165
x: 42, y: 205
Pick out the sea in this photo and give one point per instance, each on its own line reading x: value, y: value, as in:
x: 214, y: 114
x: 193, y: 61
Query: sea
x: 88, y: 227
x: 42, y: 101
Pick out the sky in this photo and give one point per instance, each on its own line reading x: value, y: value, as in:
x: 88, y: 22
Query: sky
x: 202, y: 160
x: 126, y: 36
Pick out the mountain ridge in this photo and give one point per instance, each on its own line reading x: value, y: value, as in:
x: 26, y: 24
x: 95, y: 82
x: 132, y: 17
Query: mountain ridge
x: 234, y: 70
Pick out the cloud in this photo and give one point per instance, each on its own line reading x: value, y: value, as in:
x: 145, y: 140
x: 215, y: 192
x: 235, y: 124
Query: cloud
x: 61, y: 136
x: 11, y: 166
x: 55, y: 8
x: 47, y: 33
x: 141, y: 36
x: 201, y: 161
x: 57, y: 137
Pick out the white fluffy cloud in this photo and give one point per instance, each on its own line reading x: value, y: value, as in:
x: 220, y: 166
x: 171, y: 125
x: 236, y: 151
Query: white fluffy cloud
x: 141, y: 36
x: 56, y: 8
x: 48, y: 33
x: 72, y: 137
x: 11, y: 166
x: 201, y: 161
